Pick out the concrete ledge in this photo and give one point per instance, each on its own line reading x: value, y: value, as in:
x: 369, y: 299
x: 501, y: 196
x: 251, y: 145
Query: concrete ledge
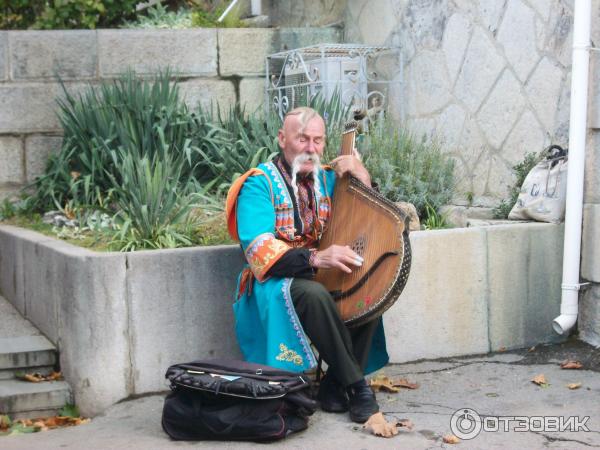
x: 119, y: 320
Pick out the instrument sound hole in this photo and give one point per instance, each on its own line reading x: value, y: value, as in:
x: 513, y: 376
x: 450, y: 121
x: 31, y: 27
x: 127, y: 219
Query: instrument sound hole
x: 359, y: 245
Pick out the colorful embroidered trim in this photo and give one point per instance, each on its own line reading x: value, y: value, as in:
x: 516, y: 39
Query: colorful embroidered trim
x: 263, y: 252
x: 310, y: 357
x: 289, y: 355
x: 284, y: 208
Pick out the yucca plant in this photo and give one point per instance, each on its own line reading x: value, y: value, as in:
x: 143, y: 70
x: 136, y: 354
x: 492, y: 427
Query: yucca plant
x: 154, y: 200
x: 125, y: 114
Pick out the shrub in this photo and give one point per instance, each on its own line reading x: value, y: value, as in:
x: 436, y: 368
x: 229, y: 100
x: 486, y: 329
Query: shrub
x: 520, y: 171
x: 158, y: 16
x: 19, y: 14
x: 407, y: 168
x: 66, y: 14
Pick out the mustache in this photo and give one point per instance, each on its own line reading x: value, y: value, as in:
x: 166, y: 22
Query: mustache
x: 306, y: 157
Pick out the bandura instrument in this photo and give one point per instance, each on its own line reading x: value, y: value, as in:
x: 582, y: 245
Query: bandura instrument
x: 376, y: 229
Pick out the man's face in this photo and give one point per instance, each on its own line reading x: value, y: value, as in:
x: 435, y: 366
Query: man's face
x: 295, y: 141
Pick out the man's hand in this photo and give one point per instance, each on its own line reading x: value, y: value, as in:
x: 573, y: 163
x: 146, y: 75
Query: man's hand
x: 338, y: 257
x: 351, y: 164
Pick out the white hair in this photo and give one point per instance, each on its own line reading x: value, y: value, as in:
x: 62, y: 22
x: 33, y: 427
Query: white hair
x: 298, y: 161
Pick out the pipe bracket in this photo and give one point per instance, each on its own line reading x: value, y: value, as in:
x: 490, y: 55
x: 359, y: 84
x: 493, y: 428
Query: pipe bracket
x: 574, y: 287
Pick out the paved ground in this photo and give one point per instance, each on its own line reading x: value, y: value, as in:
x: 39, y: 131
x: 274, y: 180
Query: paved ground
x: 492, y: 385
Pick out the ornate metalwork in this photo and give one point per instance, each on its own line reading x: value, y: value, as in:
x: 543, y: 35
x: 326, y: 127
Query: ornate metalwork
x: 360, y: 74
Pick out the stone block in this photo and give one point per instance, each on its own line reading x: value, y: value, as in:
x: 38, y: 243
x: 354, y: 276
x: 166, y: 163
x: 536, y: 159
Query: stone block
x: 481, y: 67
x: 207, y: 93
x: 591, y: 189
x: 454, y: 44
x: 252, y: 94
x: 242, y: 51
x: 3, y: 55
x: 524, y: 275
x: 443, y: 308
x: 93, y: 318
x: 588, y: 321
x: 590, y: 243
x: 37, y: 151
x: 377, y: 23
x: 490, y: 12
x: 527, y: 136
x: 68, y: 54
x: 517, y: 35
x: 190, y: 52
x: 11, y: 160
x: 180, y: 309
x: 543, y: 91
x: 28, y: 107
x: 428, y: 87
x: 11, y: 266
x: 502, y: 109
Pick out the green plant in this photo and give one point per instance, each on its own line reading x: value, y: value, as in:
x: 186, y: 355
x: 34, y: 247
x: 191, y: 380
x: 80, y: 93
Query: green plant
x: 19, y: 14
x: 206, y: 14
x: 407, y: 168
x: 66, y: 14
x: 158, y: 16
x: 136, y: 116
x: 520, y: 171
x: 434, y: 220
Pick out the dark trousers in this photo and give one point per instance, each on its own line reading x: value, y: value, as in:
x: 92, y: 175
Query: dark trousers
x: 345, y: 350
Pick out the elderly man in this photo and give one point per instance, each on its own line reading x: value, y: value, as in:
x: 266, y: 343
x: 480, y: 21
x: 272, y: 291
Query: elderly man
x: 278, y: 212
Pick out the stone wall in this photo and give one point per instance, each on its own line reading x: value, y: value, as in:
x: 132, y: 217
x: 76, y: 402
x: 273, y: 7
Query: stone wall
x: 490, y: 78
x: 224, y: 65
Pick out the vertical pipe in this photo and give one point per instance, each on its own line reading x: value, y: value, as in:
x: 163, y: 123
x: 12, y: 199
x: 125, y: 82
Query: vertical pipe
x: 577, y: 132
x: 256, y: 7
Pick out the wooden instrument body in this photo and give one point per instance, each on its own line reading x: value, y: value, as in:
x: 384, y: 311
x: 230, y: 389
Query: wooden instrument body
x: 377, y: 230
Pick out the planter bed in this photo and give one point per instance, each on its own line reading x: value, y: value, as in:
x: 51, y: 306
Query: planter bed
x: 120, y: 319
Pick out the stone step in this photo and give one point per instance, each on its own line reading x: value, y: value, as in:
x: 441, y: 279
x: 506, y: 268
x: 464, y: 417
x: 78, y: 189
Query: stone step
x: 21, y: 399
x: 26, y: 354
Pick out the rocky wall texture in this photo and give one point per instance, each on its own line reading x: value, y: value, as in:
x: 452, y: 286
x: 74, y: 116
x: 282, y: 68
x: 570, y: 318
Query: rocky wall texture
x: 224, y: 65
x: 489, y: 78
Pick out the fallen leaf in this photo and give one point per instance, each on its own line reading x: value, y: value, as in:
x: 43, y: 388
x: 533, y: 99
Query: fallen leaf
x: 40, y: 425
x: 5, y: 422
x: 540, y: 380
x: 378, y: 426
x: 37, y: 377
x: 405, y: 423
x: 383, y: 383
x: 404, y: 383
x: 571, y: 365
x: 451, y: 439
x: 574, y: 385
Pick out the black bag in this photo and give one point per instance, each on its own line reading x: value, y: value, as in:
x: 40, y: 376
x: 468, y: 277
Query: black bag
x: 222, y: 399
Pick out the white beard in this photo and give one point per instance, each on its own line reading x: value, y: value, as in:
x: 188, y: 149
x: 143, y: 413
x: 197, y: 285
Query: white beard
x: 297, y: 164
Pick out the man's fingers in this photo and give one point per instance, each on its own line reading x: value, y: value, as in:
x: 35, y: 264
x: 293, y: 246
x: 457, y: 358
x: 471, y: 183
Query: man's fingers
x: 344, y: 268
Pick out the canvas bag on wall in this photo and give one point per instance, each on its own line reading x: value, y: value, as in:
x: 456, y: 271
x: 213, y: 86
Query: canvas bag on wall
x: 544, y: 191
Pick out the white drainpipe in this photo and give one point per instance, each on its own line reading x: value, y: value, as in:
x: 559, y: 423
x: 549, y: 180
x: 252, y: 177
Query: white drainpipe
x: 577, y: 132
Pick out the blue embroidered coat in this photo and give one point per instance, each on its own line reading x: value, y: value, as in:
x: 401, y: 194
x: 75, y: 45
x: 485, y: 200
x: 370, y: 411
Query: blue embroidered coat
x: 260, y: 215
